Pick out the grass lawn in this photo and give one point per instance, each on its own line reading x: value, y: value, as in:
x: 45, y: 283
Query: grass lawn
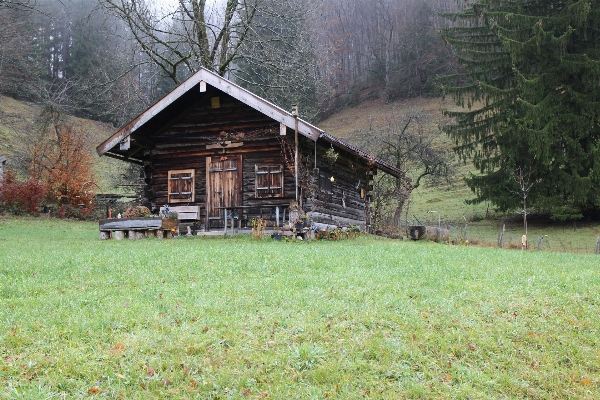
x: 238, y: 318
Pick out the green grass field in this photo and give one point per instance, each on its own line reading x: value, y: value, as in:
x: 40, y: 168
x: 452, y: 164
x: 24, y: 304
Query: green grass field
x: 238, y: 318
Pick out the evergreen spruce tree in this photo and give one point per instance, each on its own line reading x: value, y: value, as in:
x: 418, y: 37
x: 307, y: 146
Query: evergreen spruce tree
x: 530, y: 101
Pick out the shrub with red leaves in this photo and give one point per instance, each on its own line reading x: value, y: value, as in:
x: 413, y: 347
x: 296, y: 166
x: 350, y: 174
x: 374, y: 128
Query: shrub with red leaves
x: 64, y: 162
x: 22, y: 197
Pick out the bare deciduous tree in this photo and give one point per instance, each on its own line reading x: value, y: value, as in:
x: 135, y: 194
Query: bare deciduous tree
x: 524, y: 180
x: 193, y: 34
x: 17, y: 65
x: 407, y: 146
x: 372, y: 44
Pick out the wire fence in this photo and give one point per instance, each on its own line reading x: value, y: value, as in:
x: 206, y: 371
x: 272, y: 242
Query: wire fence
x: 576, y: 238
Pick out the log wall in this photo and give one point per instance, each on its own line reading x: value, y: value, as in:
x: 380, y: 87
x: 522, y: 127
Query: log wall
x: 264, y: 151
x: 344, y: 205
x: 186, y: 143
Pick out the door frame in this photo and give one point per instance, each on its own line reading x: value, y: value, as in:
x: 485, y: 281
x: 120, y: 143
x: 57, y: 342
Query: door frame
x: 209, y: 189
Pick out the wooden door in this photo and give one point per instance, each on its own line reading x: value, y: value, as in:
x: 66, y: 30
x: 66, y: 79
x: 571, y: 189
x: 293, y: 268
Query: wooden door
x: 223, y: 187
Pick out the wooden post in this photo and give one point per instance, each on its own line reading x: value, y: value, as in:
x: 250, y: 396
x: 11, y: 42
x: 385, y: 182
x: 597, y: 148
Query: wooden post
x: 139, y: 234
x: 500, y: 237
x: 160, y: 234
x: 131, y: 234
x: 296, y: 155
x: 119, y: 235
x: 295, y: 115
x: 367, y: 198
x: 104, y: 235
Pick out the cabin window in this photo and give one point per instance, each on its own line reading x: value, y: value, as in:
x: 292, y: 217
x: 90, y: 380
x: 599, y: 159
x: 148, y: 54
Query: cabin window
x: 181, y: 186
x: 269, y: 180
x: 325, y: 184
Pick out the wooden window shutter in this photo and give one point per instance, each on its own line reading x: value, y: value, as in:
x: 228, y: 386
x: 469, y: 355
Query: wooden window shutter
x: 325, y: 185
x: 269, y: 180
x: 181, y: 186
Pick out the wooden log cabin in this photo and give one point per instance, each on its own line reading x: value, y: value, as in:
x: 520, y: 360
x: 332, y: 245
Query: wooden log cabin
x: 216, y: 146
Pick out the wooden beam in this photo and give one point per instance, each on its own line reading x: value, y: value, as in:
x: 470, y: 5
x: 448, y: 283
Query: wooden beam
x: 122, y: 158
x: 133, y: 153
x: 125, y: 144
x: 228, y: 145
x: 141, y: 141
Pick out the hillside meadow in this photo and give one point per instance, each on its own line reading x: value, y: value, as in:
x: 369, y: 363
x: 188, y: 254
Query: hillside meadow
x: 239, y: 318
x: 18, y: 125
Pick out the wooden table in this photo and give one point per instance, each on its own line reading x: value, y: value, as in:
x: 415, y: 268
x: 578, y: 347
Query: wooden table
x: 276, y: 207
x: 233, y: 208
x: 225, y: 215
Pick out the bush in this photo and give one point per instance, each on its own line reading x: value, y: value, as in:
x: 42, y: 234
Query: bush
x: 22, y: 197
x: 61, y: 158
x: 75, y: 212
x: 137, y: 212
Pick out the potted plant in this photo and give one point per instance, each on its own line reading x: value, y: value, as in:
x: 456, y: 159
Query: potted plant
x: 299, y: 224
x: 258, y: 227
x: 137, y: 212
x: 276, y: 234
x: 170, y: 218
x: 305, y: 219
x: 331, y: 155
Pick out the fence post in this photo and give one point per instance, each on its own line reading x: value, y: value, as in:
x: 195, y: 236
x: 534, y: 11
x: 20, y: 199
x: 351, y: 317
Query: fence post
x: 597, y: 245
x: 501, y: 237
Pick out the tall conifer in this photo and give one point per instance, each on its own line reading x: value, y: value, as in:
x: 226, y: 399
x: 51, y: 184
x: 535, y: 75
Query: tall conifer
x: 530, y: 100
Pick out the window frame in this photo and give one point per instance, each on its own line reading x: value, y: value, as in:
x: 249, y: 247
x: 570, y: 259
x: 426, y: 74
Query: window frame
x: 270, y: 189
x: 170, y: 179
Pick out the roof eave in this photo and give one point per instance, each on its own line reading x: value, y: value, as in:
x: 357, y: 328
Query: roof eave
x: 265, y: 107
x: 381, y: 164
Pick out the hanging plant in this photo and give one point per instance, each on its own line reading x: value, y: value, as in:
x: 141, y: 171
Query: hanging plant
x: 331, y: 155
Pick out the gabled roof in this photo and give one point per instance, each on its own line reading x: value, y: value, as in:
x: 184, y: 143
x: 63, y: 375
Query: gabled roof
x: 168, y: 105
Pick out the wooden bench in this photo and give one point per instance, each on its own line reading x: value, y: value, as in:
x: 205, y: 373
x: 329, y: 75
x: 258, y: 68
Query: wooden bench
x: 185, y: 213
x: 136, y: 228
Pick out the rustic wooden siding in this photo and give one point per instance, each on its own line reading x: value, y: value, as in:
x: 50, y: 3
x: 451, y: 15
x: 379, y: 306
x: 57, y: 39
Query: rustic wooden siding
x: 263, y: 151
x: 182, y: 144
x: 344, y: 206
